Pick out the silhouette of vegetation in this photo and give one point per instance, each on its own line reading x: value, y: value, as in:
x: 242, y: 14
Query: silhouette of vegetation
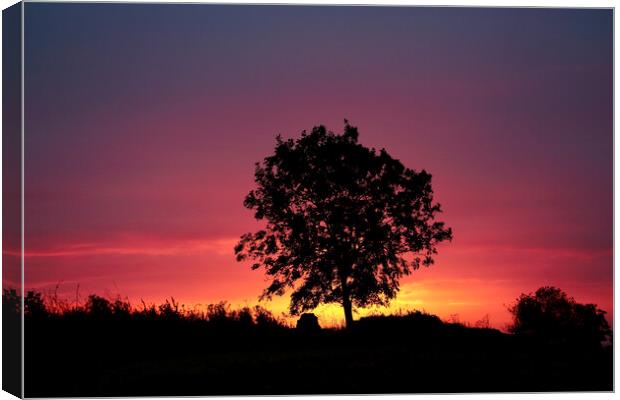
x: 551, y: 316
x: 108, y: 347
x: 343, y: 222
x: 308, y: 322
x: 11, y: 342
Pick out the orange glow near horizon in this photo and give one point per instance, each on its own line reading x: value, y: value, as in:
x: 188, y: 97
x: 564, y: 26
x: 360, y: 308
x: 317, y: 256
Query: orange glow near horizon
x: 141, y: 143
x: 445, y: 289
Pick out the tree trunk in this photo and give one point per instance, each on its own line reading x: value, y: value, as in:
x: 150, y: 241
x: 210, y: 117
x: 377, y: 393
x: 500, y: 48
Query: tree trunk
x: 346, y: 303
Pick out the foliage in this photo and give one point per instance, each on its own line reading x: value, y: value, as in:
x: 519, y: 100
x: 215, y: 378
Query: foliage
x: 551, y: 315
x: 11, y: 301
x: 169, y: 350
x: 343, y: 222
x: 96, y: 308
x: 420, y: 321
x: 34, y: 304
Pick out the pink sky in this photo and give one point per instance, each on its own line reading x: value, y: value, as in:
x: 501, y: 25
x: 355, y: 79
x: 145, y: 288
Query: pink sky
x: 138, y: 156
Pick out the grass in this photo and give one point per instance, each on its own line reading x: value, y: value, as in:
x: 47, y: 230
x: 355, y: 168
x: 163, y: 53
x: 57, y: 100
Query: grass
x: 107, y: 347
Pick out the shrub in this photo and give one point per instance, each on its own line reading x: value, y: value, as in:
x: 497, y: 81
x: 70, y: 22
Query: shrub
x: 550, y: 315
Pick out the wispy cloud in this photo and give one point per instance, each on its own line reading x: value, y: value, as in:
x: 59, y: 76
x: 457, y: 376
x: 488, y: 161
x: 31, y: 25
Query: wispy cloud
x: 556, y: 252
x: 144, y: 247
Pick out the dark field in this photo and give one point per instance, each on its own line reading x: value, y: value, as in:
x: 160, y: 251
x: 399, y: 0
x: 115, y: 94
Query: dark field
x: 107, y: 349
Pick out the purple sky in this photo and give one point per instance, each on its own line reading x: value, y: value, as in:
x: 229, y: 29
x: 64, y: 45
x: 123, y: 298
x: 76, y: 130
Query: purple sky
x: 143, y: 123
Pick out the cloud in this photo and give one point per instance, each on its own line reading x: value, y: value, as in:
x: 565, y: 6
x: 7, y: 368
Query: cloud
x: 135, y: 246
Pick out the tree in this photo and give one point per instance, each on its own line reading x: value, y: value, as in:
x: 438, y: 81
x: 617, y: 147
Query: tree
x: 552, y: 316
x: 343, y: 222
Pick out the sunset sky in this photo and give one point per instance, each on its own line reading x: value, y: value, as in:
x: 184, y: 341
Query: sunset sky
x: 143, y: 124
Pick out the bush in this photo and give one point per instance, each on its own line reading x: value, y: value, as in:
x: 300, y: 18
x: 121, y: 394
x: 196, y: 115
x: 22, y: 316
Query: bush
x: 553, y: 317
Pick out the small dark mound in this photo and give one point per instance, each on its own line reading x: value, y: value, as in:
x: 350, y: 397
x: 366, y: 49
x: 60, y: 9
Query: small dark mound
x: 416, y: 320
x: 308, y: 322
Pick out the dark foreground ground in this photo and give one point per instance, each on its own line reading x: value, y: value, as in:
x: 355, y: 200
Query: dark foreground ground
x: 83, y: 356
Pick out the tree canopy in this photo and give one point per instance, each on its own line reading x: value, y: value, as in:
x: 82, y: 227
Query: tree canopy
x: 551, y: 315
x: 343, y: 222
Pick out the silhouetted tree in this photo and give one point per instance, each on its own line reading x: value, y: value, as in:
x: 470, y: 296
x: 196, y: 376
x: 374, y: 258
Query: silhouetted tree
x: 343, y: 222
x: 550, y: 315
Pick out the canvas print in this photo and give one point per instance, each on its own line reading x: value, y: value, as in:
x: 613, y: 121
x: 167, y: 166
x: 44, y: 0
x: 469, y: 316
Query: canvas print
x: 220, y: 199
